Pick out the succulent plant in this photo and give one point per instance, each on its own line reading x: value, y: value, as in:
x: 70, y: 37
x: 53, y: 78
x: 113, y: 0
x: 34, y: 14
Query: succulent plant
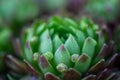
x: 63, y: 48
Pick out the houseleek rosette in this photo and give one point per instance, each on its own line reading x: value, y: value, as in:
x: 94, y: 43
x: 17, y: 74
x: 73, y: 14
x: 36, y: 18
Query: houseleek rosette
x: 63, y: 49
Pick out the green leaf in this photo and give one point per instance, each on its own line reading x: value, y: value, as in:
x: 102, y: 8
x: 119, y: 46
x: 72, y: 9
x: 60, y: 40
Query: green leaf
x: 39, y: 29
x: 48, y: 55
x: 71, y: 22
x: 80, y: 37
x: 83, y: 63
x: 89, y: 47
x: 34, y: 43
x: 56, y: 42
x: 62, y: 56
x: 28, y: 51
x: 72, y: 46
x: 90, y: 32
x: 45, y: 66
x: 46, y: 43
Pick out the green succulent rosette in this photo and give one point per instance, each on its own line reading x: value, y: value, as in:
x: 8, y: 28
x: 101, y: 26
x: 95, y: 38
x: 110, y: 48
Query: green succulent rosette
x: 62, y: 48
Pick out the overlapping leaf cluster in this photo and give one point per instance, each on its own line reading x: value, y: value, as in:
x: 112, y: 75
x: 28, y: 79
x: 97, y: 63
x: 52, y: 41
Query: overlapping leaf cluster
x: 62, y: 46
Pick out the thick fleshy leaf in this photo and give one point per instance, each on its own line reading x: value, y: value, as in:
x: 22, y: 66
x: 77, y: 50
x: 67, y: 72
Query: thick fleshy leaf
x: 104, y: 74
x: 71, y: 22
x: 39, y: 29
x: 72, y: 45
x: 31, y: 69
x: 48, y: 55
x: 89, y: 47
x: 111, y: 76
x: 97, y: 67
x: 80, y: 37
x: 90, y: 77
x: 28, y: 52
x: 56, y: 42
x: 101, y: 39
x: 83, y: 24
x: 83, y: 63
x: 90, y: 32
x: 28, y: 33
x: 45, y: 66
x: 14, y: 64
x: 57, y: 20
x: 114, y: 61
x: 34, y: 43
x: 62, y: 56
x: 102, y: 53
x: 46, y: 43
x: 71, y: 74
x: 50, y: 76
x: 45, y: 35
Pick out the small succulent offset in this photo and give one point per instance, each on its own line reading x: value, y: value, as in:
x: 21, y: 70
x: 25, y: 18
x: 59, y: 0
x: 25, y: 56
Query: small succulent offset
x: 62, y: 49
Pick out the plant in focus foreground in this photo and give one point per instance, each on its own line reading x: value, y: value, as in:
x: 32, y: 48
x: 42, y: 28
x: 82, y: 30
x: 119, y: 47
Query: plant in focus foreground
x: 64, y: 49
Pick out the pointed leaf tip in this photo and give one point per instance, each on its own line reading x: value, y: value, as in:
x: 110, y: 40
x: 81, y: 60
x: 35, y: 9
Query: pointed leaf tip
x: 45, y: 65
x: 89, y: 47
x: 50, y: 76
x: 82, y: 63
x: 62, y: 56
x: 71, y: 74
x: 72, y: 45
